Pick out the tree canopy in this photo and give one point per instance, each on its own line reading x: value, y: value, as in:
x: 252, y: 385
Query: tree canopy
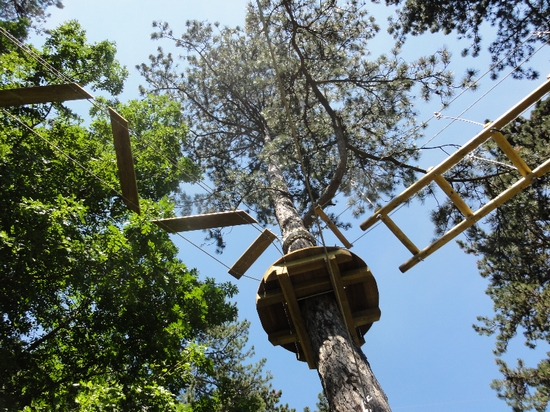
x: 98, y: 313
x: 32, y: 10
x: 350, y: 125
x: 521, y: 25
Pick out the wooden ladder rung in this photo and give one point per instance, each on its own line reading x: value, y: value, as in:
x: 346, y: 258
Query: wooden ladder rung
x: 333, y: 227
x: 509, y: 151
x: 450, y: 192
x: 125, y: 161
x: 251, y: 254
x: 399, y: 234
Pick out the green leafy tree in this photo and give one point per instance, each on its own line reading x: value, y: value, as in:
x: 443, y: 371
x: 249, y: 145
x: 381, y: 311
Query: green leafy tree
x: 521, y: 26
x: 98, y: 313
x: 343, y: 125
x: 230, y: 383
x: 514, y: 249
x: 11, y: 10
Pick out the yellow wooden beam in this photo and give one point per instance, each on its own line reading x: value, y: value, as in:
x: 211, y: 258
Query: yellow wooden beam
x: 479, y: 214
x: 399, y: 233
x: 457, y: 156
x: 509, y: 151
x: 342, y: 299
x: 125, y: 161
x: 253, y: 252
x: 455, y: 198
x: 205, y: 221
x: 296, y: 315
x: 333, y: 227
x: 42, y: 94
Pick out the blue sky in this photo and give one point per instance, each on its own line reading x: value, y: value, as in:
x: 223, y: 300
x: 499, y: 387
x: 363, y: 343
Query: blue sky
x: 423, y: 351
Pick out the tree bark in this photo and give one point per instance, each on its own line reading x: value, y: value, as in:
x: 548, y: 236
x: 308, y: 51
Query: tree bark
x: 345, y: 373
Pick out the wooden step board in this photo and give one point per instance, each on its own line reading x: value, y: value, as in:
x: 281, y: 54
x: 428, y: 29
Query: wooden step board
x: 251, y: 254
x: 205, y: 221
x: 435, y: 174
x: 125, y: 161
x: 42, y: 94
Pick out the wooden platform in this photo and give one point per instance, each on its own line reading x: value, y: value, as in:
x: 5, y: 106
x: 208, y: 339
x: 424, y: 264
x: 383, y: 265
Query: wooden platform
x: 205, y: 221
x: 125, y: 161
x: 42, y: 94
x: 306, y: 273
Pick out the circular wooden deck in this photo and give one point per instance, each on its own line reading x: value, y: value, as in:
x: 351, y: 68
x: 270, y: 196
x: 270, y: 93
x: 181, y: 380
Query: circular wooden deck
x: 310, y: 272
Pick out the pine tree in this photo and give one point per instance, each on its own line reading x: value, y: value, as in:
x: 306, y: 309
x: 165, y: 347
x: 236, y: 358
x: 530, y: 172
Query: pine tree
x: 286, y: 123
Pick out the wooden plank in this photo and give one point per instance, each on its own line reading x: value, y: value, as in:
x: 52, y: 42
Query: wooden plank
x: 364, y: 317
x: 455, y: 198
x: 312, y: 263
x: 125, y: 161
x: 341, y: 298
x: 296, y: 316
x: 42, y: 94
x: 253, y: 252
x: 283, y: 337
x: 333, y: 227
x: 367, y: 316
x: 457, y: 156
x: 509, y: 151
x: 479, y: 214
x: 205, y: 221
x: 312, y: 287
x: 399, y: 234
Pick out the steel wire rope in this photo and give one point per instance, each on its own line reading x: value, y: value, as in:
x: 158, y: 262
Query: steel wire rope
x: 61, y: 76
x: 306, y: 180
x: 102, y: 181
x: 475, y: 83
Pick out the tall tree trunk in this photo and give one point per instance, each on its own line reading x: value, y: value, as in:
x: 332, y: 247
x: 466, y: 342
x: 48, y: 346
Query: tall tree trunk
x: 345, y: 373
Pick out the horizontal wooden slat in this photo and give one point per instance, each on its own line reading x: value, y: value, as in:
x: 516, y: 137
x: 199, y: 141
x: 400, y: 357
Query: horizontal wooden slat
x: 364, y: 317
x: 43, y: 94
x: 313, y: 287
x: 311, y: 263
x: 205, y: 221
x: 125, y: 161
x: 253, y: 252
x: 367, y: 316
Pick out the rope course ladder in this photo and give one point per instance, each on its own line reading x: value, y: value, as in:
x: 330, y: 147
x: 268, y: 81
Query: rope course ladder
x: 435, y: 174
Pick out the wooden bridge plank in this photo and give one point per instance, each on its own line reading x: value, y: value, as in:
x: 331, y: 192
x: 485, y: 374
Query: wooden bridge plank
x: 42, y: 94
x: 253, y: 252
x: 125, y: 161
x: 205, y: 221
